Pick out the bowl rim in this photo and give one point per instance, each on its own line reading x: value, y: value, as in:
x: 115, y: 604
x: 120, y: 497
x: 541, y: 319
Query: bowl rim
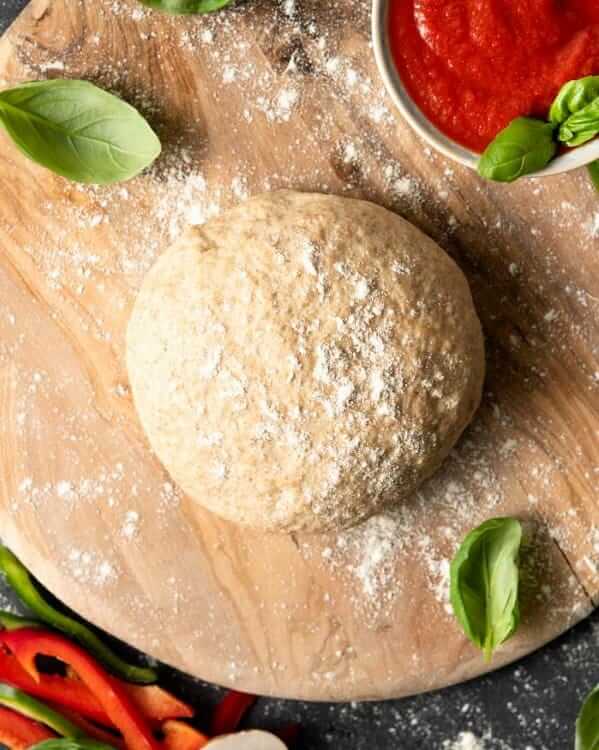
x: 408, y: 108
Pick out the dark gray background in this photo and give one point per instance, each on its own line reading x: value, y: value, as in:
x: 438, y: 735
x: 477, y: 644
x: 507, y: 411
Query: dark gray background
x: 529, y: 706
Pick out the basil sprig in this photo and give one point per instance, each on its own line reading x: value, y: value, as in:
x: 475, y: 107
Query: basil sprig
x: 572, y: 97
x: 582, y: 126
x: 525, y: 146
x: 78, y: 130
x: 587, y: 723
x: 575, y: 112
x: 484, y: 581
x: 186, y: 7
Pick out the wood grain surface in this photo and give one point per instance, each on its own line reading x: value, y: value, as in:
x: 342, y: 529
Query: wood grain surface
x: 263, y: 96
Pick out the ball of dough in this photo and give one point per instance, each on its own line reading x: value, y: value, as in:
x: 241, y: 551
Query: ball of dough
x: 304, y: 361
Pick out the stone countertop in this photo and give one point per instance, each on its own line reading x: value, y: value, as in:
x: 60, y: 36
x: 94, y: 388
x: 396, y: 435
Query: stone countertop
x: 531, y: 705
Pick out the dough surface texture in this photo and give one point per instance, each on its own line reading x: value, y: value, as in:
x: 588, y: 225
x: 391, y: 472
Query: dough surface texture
x: 304, y: 361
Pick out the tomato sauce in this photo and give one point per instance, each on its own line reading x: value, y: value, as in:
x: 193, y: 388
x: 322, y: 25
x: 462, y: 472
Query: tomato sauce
x: 474, y: 65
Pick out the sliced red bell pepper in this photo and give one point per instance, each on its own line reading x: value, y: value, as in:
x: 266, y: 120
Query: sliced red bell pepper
x: 71, y: 694
x: 94, y: 731
x: 26, y: 705
x: 18, y: 577
x: 230, y: 711
x: 29, y: 643
x: 156, y: 704
x: 19, y: 733
x: 181, y: 736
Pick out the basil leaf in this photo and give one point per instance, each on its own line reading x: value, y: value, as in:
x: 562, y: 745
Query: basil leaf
x: 573, y: 96
x: 484, y: 579
x: 78, y: 130
x: 524, y: 147
x: 70, y: 744
x: 582, y: 126
x: 593, y: 168
x: 186, y: 7
x: 587, y: 723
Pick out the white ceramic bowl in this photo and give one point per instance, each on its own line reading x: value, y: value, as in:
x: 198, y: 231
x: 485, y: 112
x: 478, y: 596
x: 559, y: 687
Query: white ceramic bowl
x: 574, y: 159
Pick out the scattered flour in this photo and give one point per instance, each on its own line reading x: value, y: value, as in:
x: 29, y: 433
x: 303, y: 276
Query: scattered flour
x: 89, y: 568
x: 593, y: 225
x: 465, y: 741
x: 130, y: 527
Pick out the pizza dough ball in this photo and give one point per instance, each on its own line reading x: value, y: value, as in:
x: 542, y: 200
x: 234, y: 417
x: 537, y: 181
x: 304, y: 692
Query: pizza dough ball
x: 304, y: 361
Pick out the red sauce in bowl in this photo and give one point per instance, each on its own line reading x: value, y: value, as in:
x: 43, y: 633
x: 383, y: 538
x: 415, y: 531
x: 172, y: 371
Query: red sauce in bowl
x: 472, y: 66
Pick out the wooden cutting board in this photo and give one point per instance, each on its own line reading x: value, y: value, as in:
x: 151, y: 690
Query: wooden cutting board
x: 264, y: 96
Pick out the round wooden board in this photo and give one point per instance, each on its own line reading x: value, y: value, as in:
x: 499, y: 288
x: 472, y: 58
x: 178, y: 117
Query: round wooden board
x: 265, y: 96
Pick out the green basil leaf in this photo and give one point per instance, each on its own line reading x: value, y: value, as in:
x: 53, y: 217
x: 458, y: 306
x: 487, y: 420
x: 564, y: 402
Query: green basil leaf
x: 587, y: 723
x: 484, y: 584
x: 186, y: 7
x: 582, y: 126
x: 78, y: 130
x: 593, y: 168
x: 573, y: 96
x: 524, y: 147
x: 70, y: 744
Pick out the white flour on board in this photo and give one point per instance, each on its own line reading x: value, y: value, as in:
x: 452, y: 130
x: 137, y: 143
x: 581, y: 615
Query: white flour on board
x: 465, y: 741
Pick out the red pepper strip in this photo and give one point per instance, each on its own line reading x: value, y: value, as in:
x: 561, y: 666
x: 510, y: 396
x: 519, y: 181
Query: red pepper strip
x: 230, y: 711
x: 158, y: 704
x: 65, y: 692
x: 288, y: 734
x: 155, y: 703
x: 19, y: 733
x: 180, y: 736
x: 28, y: 643
x: 94, y: 731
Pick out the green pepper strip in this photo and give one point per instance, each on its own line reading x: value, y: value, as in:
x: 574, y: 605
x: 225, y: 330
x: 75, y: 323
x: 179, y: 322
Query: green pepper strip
x: 20, y: 580
x: 34, y: 709
x: 9, y: 621
x: 66, y: 744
